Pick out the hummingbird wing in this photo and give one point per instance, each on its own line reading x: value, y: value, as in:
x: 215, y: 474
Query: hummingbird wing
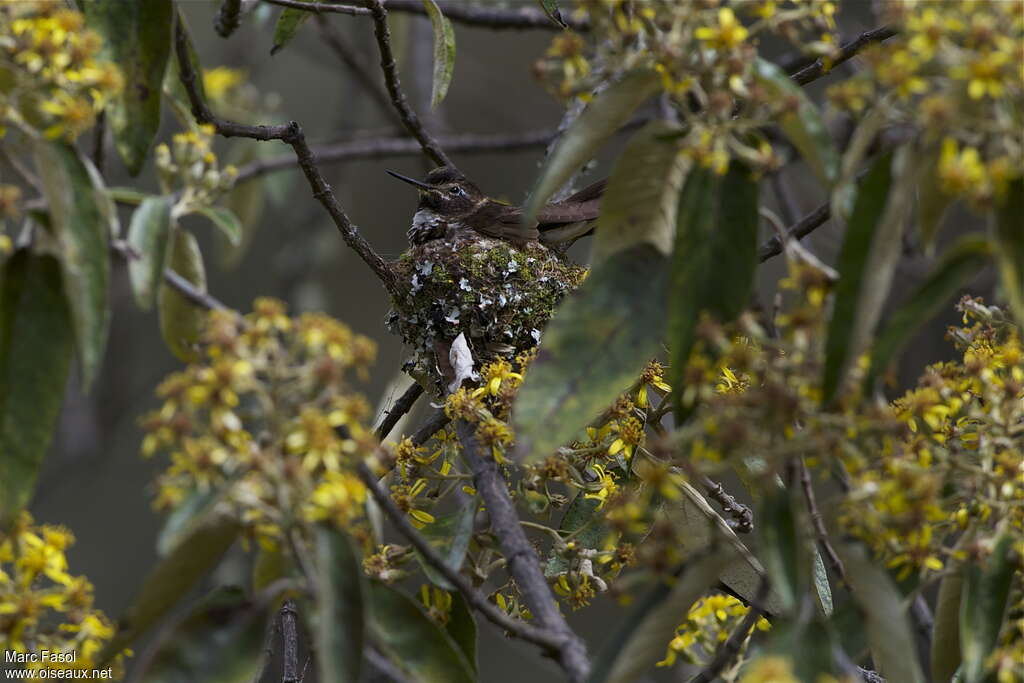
x: 582, y: 207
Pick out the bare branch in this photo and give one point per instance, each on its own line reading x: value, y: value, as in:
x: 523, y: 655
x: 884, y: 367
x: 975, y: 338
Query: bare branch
x: 227, y: 18
x: 318, y: 8
x: 175, y: 281
x: 823, y: 66
x: 818, y: 522
x: 402, y: 406
x: 291, y: 134
x: 290, y: 633
x: 728, y: 651
x: 520, y: 557
x: 741, y: 518
x: 805, y: 226
x: 433, y: 425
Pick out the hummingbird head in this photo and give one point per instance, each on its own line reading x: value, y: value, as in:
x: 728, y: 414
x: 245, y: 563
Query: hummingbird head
x: 446, y: 192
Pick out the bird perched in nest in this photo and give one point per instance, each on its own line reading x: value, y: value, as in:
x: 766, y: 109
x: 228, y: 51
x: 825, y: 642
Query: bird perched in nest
x: 450, y: 205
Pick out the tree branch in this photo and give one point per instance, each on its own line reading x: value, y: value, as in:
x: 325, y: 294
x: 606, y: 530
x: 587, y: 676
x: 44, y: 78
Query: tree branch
x: 728, y: 651
x: 175, y: 281
x: 520, y: 557
x: 818, y: 523
x: 291, y: 134
x: 290, y: 635
x: 318, y: 8
x: 805, y: 226
x: 433, y: 425
x: 401, y: 406
x: 823, y: 65
x: 741, y: 518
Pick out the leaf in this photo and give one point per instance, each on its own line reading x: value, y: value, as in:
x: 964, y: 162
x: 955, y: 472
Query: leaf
x: 945, y: 650
x: 461, y: 627
x: 1010, y: 240
x: 643, y: 193
x: 220, y: 640
x: 609, y: 109
x: 845, y: 192
x: 450, y: 536
x: 714, y: 259
x: 582, y: 511
x: 961, y: 262
x: 800, y: 121
x: 932, y: 202
x: 181, y: 320
x: 413, y: 642
x: 340, y: 605
x: 126, y: 195
x: 645, y: 633
x: 444, y: 52
x: 867, y: 261
x: 288, y: 24
x: 148, y: 235
x: 137, y: 37
x: 81, y: 231
x: 822, y: 586
x: 172, y: 578
x: 596, y: 345
x: 226, y: 221
x: 36, y: 343
x: 780, y: 547
x: 888, y: 633
x: 983, y: 605
x: 550, y: 8
x: 184, y: 518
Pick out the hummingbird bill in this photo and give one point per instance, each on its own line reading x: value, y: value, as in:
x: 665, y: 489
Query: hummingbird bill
x: 451, y: 206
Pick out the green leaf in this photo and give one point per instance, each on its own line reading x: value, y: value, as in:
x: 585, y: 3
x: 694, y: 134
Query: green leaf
x: 582, y: 511
x: 444, y: 52
x: 220, y: 640
x: 137, y: 36
x: 81, y: 231
x: 983, y: 606
x: 413, y: 642
x: 960, y: 263
x: 867, y: 261
x: 226, y: 221
x: 461, y: 627
x: 821, y: 585
x: 173, y: 577
x: 645, y: 633
x: 945, y: 651
x: 845, y: 192
x: 288, y: 24
x: 36, y: 342
x: 185, y: 517
x: 714, y: 259
x: 609, y: 109
x: 594, y: 348
x: 800, y: 121
x: 450, y: 535
x: 888, y: 633
x: 643, y: 193
x: 340, y: 604
x: 550, y: 8
x: 1010, y: 240
x: 181, y: 321
x: 127, y: 195
x: 780, y: 547
x: 148, y: 235
x: 932, y: 202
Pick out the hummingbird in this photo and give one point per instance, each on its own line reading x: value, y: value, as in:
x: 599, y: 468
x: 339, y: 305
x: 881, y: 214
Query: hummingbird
x: 452, y: 206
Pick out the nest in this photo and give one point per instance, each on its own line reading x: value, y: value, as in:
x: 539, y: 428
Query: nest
x: 499, y: 295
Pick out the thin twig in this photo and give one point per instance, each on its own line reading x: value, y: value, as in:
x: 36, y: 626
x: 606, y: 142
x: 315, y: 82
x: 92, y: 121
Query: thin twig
x: 174, y: 280
x: 528, y: 632
x: 98, y: 139
x: 741, y: 517
x: 824, y: 65
x: 383, y: 147
x: 818, y: 523
x: 291, y: 134
x: 520, y: 557
x: 400, y: 408
x: 355, y: 66
x: 433, y: 425
x: 290, y: 636
x: 805, y: 226
x: 457, y: 11
x: 383, y: 667
x: 409, y: 119
x: 728, y: 651
x: 228, y: 18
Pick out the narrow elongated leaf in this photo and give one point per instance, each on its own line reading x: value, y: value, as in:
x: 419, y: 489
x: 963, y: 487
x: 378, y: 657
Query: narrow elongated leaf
x: 550, y: 8
x: 781, y: 549
x: 822, y: 586
x: 173, y: 577
x: 983, y: 606
x: 288, y: 24
x: 608, y: 110
x: 36, y: 343
x: 413, y: 642
x: 867, y: 261
x: 220, y: 640
x: 81, y: 231
x: 644, y: 634
x: 932, y: 202
x: 945, y: 652
x: 845, y: 191
x: 888, y: 633
x: 226, y: 221
x: 450, y: 535
x: 137, y: 36
x: 181, y: 320
x: 801, y: 122
x: 341, y: 615
x: 594, y: 348
x: 148, y: 234
x: 461, y: 627
x: 714, y: 258
x: 1010, y: 238
x: 958, y: 265
x: 643, y: 193
x: 127, y: 195
x: 444, y: 52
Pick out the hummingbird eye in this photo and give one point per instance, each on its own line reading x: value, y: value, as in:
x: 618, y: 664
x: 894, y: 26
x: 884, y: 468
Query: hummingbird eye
x: 456, y: 191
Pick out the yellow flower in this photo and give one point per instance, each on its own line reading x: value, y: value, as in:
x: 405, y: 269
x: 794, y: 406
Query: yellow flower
x: 74, y: 115
x: 728, y: 34
x: 770, y: 669
x: 219, y: 80
x: 961, y: 171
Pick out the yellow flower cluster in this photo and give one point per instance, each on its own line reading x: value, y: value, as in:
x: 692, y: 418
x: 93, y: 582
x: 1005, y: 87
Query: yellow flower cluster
x: 267, y: 418
x: 189, y: 162
x: 53, y: 81
x: 708, y: 624
x: 44, y: 607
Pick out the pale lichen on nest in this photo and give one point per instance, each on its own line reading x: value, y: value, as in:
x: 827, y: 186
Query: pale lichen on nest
x: 499, y: 295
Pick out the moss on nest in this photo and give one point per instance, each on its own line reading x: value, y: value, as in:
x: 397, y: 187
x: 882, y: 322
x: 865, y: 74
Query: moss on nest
x: 501, y: 296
